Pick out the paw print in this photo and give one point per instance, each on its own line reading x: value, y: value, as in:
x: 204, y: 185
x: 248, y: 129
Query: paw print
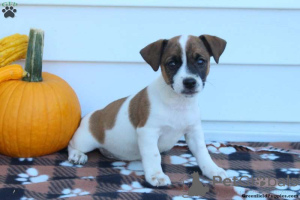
x: 186, y: 160
x: 134, y: 187
x: 25, y: 198
x: 67, y: 192
x: 290, y: 170
x: 287, y: 190
x: 9, y: 12
x: 181, y: 143
x: 269, y: 156
x: 237, y: 173
x: 200, y: 179
x: 88, y: 177
x: 216, y: 147
x: 128, y: 168
x: 68, y: 164
x: 31, y: 176
x: 239, y: 192
x: 25, y: 159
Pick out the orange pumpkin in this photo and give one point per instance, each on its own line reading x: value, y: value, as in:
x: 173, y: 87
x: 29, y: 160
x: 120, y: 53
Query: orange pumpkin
x: 39, y: 114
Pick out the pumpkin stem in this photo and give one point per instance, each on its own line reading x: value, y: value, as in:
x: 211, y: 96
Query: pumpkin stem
x: 34, y: 56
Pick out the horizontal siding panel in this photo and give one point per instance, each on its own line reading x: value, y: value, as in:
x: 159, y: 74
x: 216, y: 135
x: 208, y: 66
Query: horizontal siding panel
x: 249, y: 131
x: 249, y: 4
x: 116, y: 34
x: 233, y: 93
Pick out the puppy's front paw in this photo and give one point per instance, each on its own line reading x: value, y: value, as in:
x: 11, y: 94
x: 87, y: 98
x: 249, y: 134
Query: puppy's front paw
x: 77, y: 157
x: 210, y: 172
x: 158, y: 179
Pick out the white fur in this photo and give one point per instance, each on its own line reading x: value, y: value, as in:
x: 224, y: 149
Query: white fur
x: 83, y: 141
x: 172, y: 115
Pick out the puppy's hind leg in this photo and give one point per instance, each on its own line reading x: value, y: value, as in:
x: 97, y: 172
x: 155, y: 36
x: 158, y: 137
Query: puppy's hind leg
x: 82, y: 142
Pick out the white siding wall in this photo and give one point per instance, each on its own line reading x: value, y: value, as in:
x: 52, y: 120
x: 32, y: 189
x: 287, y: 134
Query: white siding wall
x: 253, y: 94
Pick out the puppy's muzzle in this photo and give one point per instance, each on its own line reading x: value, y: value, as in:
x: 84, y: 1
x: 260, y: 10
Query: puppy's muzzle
x: 189, y: 83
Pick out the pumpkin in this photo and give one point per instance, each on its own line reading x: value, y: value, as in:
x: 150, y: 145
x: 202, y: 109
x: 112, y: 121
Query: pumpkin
x: 40, y: 113
x: 12, y: 48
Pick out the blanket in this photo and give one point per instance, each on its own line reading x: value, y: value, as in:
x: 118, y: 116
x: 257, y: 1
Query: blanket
x: 260, y: 171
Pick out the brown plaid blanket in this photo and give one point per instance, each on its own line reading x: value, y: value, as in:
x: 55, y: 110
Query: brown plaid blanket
x: 259, y: 167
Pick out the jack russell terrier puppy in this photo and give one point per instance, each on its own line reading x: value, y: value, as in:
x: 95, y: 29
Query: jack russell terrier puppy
x: 143, y: 125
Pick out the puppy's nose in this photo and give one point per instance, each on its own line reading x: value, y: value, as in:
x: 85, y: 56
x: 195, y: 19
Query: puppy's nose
x: 189, y: 83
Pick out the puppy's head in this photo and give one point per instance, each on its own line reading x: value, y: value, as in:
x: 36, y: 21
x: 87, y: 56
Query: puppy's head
x: 184, y: 60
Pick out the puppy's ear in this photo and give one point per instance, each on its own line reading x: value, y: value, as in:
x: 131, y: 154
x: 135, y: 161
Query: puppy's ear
x: 152, y: 53
x: 214, y: 45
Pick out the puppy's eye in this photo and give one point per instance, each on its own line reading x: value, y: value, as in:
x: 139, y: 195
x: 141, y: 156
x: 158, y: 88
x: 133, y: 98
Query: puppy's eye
x: 200, y: 61
x: 172, y: 63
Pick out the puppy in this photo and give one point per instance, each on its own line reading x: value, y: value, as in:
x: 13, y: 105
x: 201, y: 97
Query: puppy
x: 143, y: 125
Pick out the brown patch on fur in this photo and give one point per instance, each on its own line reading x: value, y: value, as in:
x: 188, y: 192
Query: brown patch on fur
x: 165, y: 76
x: 152, y: 53
x: 139, y: 109
x: 172, y: 51
x: 161, y: 52
x: 195, y: 48
x: 214, y: 45
x: 208, y: 67
x: 104, y: 119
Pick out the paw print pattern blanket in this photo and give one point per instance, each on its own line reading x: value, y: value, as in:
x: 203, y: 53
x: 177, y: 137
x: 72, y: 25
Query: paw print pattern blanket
x: 260, y: 169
